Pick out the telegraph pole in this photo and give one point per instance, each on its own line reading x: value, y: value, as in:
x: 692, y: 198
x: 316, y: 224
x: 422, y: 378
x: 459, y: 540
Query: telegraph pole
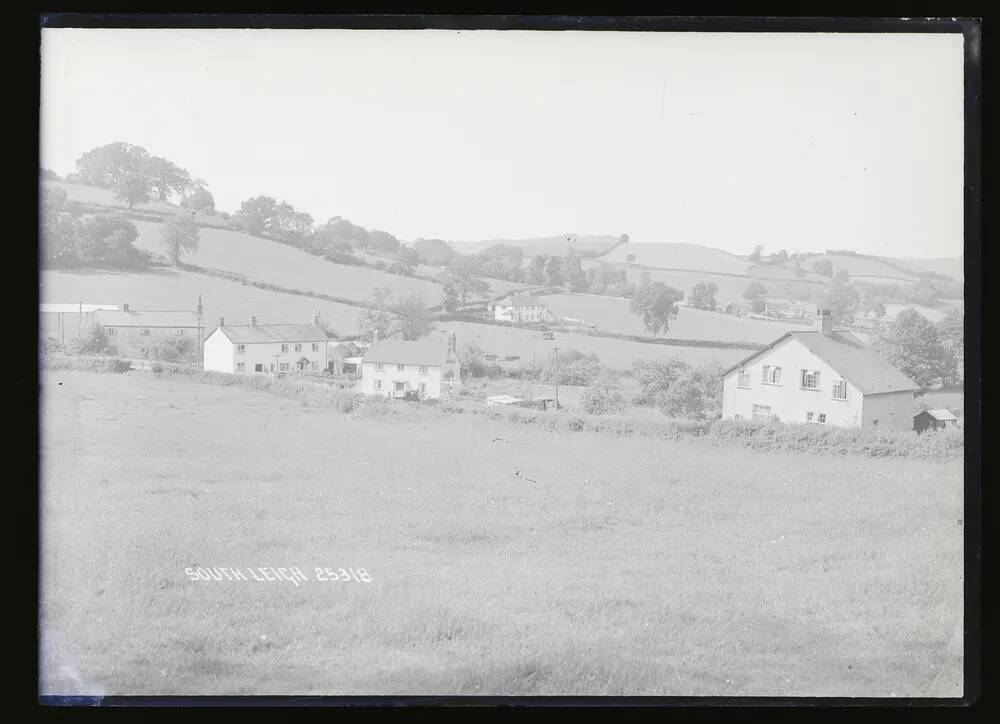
x: 555, y: 373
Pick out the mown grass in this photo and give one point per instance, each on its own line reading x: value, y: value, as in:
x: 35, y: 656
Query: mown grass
x: 506, y: 559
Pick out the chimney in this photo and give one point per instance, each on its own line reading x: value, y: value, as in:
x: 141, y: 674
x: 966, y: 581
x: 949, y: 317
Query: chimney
x: 124, y: 307
x: 824, y: 323
x: 200, y: 309
x: 315, y: 319
x: 253, y: 321
x: 222, y: 321
x: 451, y: 344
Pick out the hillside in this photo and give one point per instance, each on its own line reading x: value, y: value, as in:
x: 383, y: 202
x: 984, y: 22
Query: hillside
x: 551, y: 245
x: 677, y: 256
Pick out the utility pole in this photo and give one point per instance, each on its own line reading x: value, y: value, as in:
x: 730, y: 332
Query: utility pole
x: 531, y: 371
x: 555, y: 373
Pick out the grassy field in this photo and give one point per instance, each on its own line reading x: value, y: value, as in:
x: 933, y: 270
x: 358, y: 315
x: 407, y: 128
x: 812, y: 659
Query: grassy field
x: 615, y: 353
x: 163, y: 288
x: 678, y: 256
x: 612, y: 314
x: 504, y: 559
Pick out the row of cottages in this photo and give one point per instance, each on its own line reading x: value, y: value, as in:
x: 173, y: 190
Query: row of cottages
x: 396, y: 367
x: 272, y: 348
x: 134, y: 332
x: 61, y: 323
x: 822, y: 376
x: 521, y: 308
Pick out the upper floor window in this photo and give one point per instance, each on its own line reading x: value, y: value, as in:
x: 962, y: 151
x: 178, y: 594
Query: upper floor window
x: 810, y: 379
x: 144, y: 332
x: 423, y: 370
x: 822, y: 417
x: 840, y: 390
x: 315, y: 347
x: 241, y: 348
x: 284, y: 348
x: 772, y: 375
x: 378, y: 366
x: 112, y: 331
x: 298, y: 347
x: 400, y: 368
x: 744, y: 379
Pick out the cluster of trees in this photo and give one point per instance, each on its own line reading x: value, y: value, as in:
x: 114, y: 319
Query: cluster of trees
x: 656, y: 303
x: 703, y: 296
x: 925, y: 352
x: 71, y: 239
x: 135, y: 175
x: 675, y: 387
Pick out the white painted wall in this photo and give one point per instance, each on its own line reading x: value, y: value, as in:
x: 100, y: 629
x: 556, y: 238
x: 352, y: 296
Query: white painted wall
x: 893, y: 410
x: 788, y: 401
x: 390, y: 374
x: 507, y: 313
x: 224, y: 356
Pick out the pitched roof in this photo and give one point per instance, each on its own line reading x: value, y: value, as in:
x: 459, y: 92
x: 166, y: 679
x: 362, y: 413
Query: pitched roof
x: 265, y: 333
x: 520, y: 300
x: 941, y: 414
x: 147, y: 318
x: 423, y: 352
x: 76, y: 307
x: 850, y: 357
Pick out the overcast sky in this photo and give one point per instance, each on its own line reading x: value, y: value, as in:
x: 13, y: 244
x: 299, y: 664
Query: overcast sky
x: 803, y: 142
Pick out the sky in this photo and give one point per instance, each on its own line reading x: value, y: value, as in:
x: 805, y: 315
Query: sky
x: 801, y: 142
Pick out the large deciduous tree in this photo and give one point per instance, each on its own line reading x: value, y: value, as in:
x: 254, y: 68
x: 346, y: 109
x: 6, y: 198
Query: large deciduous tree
x: 913, y: 345
x: 703, y: 295
x: 108, y: 166
x: 180, y: 235
x: 656, y: 303
x: 133, y: 189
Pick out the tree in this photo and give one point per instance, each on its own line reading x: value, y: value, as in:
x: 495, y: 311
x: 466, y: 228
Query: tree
x: 411, y: 320
x: 462, y: 271
x: 842, y: 300
x: 603, y: 396
x: 375, y: 318
x: 573, y: 272
x: 165, y: 177
x: 872, y: 305
x: 914, y: 346
x: 656, y: 303
x: 48, y: 174
x: 536, y: 270
x: 179, y: 234
x: 755, y: 293
x: 756, y: 254
x: 450, y: 300
x: 435, y: 252
x: 923, y: 292
x: 290, y: 226
x: 554, y: 271
x: 780, y: 257
x: 703, y: 295
x: 842, y: 276
x: 107, y: 240
x: 133, y: 189
x: 654, y: 378
x: 110, y: 165
x: 623, y: 239
x: 695, y: 393
x: 256, y: 214
x: 200, y: 199
x: 93, y: 341
x: 824, y: 267
x: 382, y: 240
x: 951, y: 331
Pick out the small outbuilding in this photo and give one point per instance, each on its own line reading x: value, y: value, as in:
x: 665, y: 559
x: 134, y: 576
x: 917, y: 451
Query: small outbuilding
x: 934, y: 420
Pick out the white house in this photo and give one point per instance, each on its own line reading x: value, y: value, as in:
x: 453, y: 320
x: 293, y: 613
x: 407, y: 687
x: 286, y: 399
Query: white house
x: 823, y: 376
x: 520, y: 308
x: 265, y: 348
x: 393, y: 367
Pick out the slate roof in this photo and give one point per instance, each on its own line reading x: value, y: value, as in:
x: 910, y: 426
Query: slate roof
x: 940, y: 414
x: 520, y: 300
x: 850, y: 357
x: 267, y: 333
x: 147, y: 318
x: 422, y: 352
x: 57, y: 307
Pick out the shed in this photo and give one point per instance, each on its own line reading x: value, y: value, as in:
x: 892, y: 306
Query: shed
x: 934, y: 420
x: 502, y: 400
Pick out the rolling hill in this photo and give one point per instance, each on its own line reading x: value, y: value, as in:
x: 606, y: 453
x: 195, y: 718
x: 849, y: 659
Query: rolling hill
x: 550, y: 245
x: 677, y: 256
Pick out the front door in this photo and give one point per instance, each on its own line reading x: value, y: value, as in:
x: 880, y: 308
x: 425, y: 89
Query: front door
x: 399, y: 387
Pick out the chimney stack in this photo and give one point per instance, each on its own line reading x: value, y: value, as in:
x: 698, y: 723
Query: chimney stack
x: 222, y: 321
x: 200, y: 309
x: 125, y: 307
x: 824, y: 323
x: 315, y: 319
x: 452, y: 344
x: 253, y: 321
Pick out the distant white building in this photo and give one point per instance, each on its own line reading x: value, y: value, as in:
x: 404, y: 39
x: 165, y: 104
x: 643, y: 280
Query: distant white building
x: 265, y: 348
x: 394, y: 367
x: 61, y: 322
x: 824, y: 376
x: 521, y: 308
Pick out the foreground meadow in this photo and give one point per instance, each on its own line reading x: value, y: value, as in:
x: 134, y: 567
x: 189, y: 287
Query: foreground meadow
x: 503, y: 559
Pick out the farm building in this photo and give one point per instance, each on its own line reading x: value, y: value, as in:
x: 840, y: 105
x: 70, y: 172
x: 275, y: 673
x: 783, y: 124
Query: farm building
x: 822, y: 376
x: 266, y: 348
x: 395, y: 367
x: 140, y: 332
x: 934, y: 420
x: 344, y: 357
x: 65, y: 322
x: 520, y: 308
x: 789, y: 309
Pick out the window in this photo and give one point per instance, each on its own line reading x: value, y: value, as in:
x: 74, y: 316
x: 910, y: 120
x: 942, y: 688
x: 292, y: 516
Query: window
x: 772, y: 375
x: 258, y: 367
x: 241, y: 348
x: 240, y: 366
x: 315, y: 347
x: 761, y: 412
x: 144, y: 332
x: 809, y: 417
x: 400, y: 368
x: 272, y: 366
x: 112, y: 331
x: 423, y: 388
x: 378, y: 384
x: 298, y: 348
x: 744, y: 379
x: 378, y: 366
x: 315, y: 365
x: 840, y: 390
x: 423, y: 370
x: 810, y: 379
x: 284, y: 348
x: 822, y: 417
x: 181, y: 331
x: 283, y: 367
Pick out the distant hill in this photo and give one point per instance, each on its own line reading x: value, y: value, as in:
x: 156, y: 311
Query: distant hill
x: 678, y: 256
x: 550, y: 245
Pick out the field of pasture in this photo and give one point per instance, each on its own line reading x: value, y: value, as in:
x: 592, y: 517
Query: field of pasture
x: 503, y: 559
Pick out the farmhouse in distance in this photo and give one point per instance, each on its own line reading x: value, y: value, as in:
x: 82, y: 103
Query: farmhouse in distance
x: 257, y: 348
x: 521, y: 308
x: 823, y: 376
